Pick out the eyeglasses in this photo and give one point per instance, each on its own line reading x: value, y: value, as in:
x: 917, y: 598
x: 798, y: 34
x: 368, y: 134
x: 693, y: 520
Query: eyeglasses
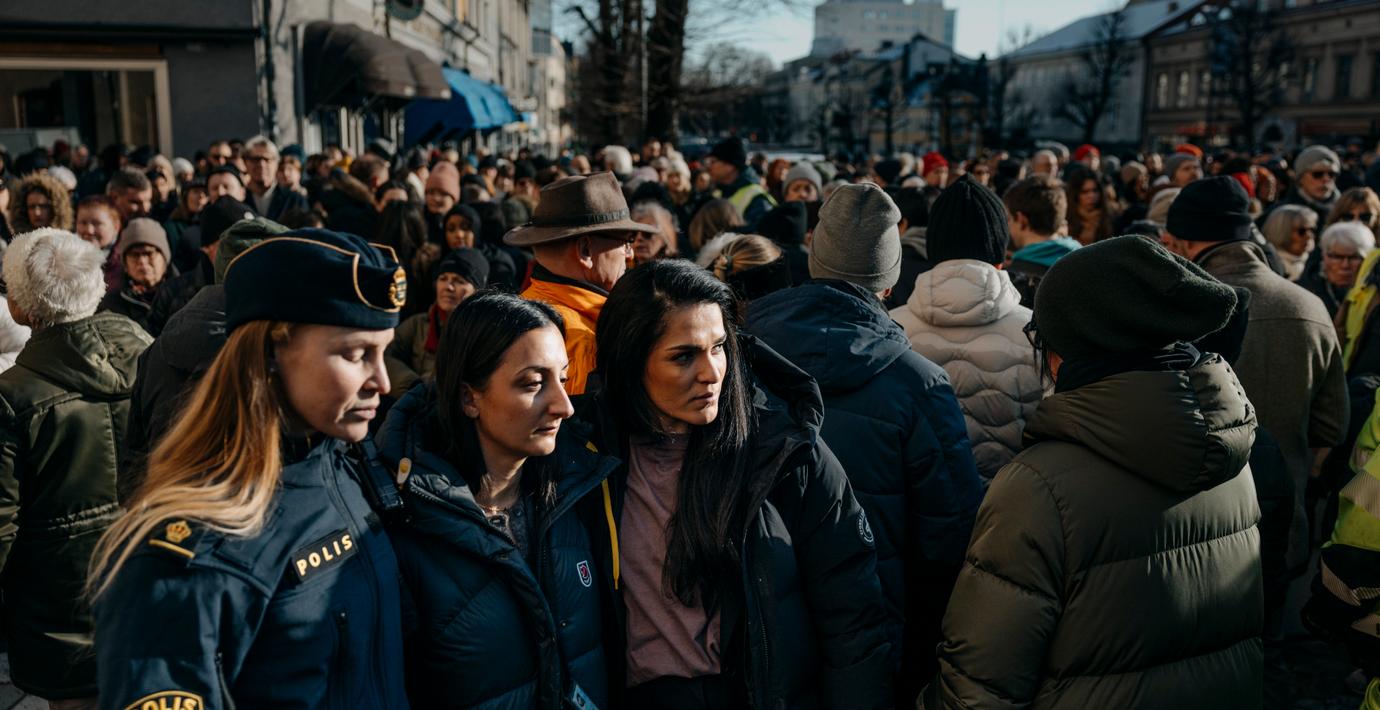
x: 1348, y: 258
x: 257, y: 158
x: 1323, y: 175
x: 1365, y: 217
x: 1032, y: 333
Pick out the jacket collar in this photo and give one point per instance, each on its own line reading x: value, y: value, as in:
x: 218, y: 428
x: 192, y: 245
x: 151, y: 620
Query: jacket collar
x: 1232, y: 257
x: 541, y: 273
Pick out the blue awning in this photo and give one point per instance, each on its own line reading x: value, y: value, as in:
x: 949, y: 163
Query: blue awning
x: 473, y: 105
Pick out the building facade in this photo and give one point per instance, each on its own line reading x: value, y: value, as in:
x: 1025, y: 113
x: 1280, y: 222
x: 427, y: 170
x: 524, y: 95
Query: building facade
x: 1330, y: 88
x: 176, y: 74
x: 865, y: 25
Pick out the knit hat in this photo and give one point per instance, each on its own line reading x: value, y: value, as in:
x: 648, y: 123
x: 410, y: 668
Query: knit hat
x: 1160, y: 299
x: 142, y: 230
x: 219, y: 215
x: 803, y: 171
x: 227, y: 169
x: 468, y: 264
x: 888, y: 170
x: 932, y: 161
x: 446, y: 178
x: 182, y: 166
x: 1190, y: 149
x: 967, y: 221
x: 239, y: 237
x: 315, y: 276
x: 53, y: 276
x: 470, y: 215
x: 1314, y: 155
x: 857, y: 240
x: 1085, y: 150
x: 1159, y: 205
x: 731, y: 151
x: 786, y: 224
x: 1210, y: 210
x: 1172, y: 163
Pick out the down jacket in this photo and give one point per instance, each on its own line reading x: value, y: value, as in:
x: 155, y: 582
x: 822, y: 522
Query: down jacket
x: 894, y: 424
x: 967, y: 317
x: 804, y: 627
x: 1116, y: 560
x: 489, y: 629
x: 63, y: 409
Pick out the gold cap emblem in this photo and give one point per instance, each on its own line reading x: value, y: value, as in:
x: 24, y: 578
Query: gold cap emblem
x: 179, y: 531
x: 397, y: 291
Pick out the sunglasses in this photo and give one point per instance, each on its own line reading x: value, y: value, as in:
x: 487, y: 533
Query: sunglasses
x: 1323, y: 175
x: 1349, y: 258
x: 1365, y: 217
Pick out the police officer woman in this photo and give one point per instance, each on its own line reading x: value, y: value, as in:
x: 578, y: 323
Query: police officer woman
x: 251, y: 568
x: 748, y: 571
x: 493, y: 553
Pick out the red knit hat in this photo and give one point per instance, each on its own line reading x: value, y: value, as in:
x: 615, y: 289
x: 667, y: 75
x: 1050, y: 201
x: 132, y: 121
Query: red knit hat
x: 932, y: 161
x: 1084, y: 150
x: 1189, y: 148
x: 1246, y: 183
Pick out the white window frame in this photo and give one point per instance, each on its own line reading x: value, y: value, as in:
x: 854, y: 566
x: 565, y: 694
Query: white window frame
x: 159, y: 67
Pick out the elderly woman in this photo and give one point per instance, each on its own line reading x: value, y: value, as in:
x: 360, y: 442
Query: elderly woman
x: 1291, y: 230
x: 40, y: 201
x: 1344, y: 246
x: 662, y: 244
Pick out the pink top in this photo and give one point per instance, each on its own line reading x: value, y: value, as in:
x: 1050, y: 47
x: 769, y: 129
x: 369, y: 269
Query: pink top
x: 665, y: 637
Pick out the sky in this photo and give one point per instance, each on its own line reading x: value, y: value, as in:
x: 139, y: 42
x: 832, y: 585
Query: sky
x: 982, y: 24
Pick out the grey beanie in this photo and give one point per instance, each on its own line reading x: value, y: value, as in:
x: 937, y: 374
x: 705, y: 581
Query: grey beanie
x: 1312, y: 155
x: 857, y: 240
x: 803, y: 171
x: 1172, y: 163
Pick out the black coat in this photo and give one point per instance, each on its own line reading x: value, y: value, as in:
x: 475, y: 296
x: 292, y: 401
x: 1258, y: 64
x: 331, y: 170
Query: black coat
x: 167, y: 371
x: 177, y: 292
x: 805, y: 626
x: 128, y: 304
x: 893, y: 419
x: 283, y: 200
x: 488, y: 628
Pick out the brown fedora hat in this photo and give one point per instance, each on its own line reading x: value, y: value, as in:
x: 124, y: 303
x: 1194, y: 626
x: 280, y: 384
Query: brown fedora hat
x: 574, y: 206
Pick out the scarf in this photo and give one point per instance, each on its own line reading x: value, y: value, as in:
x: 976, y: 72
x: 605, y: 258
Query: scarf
x: 435, y: 320
x: 1293, y: 265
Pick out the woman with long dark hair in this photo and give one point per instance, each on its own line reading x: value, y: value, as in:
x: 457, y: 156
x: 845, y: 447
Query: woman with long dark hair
x: 746, y: 572
x: 492, y: 550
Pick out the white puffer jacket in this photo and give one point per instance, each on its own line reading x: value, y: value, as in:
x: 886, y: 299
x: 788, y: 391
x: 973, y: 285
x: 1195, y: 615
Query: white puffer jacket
x: 967, y: 317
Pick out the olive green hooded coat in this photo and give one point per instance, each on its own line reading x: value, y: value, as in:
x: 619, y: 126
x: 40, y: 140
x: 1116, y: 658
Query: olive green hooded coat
x: 62, y: 417
x: 1115, y: 562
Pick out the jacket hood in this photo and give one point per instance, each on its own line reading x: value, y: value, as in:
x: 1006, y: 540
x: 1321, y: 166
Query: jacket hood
x: 1047, y: 252
x: 963, y: 293
x: 96, y: 356
x: 832, y: 330
x: 1186, y: 430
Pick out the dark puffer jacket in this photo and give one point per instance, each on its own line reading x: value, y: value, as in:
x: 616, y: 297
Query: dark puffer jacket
x: 894, y: 423
x: 488, y: 629
x: 807, y: 628
x: 63, y: 408
x: 1116, y: 561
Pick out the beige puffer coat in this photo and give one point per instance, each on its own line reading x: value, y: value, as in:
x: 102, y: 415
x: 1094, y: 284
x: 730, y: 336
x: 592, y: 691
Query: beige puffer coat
x: 967, y: 317
x: 1115, y: 562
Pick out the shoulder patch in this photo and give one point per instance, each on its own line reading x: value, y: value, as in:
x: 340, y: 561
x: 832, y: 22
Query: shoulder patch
x: 865, y: 529
x: 172, y: 538
x: 323, y: 554
x: 168, y: 700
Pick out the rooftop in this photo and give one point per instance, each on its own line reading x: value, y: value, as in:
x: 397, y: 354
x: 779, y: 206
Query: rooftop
x: 1142, y: 18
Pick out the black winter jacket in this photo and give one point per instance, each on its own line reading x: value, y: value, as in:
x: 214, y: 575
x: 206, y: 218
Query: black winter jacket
x: 177, y: 292
x: 893, y: 420
x: 806, y: 626
x: 486, y: 628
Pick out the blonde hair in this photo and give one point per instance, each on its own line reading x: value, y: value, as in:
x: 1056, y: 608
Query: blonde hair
x: 1353, y: 198
x: 745, y: 252
x: 219, y: 464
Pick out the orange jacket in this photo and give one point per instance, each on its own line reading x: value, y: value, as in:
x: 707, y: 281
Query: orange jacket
x: 580, y: 308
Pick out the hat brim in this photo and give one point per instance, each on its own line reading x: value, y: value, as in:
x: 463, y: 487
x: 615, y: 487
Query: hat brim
x: 531, y: 235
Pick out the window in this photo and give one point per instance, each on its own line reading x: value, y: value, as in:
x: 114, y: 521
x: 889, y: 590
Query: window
x: 1342, y: 88
x: 1204, y: 87
x: 1162, y: 90
x: 1181, y: 92
x: 1310, y: 77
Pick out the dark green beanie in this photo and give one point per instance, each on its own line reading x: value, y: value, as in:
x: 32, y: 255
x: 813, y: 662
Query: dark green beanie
x: 1127, y: 295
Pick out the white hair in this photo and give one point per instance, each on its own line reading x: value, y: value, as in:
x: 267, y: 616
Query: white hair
x: 261, y: 142
x: 679, y: 166
x: 65, y: 176
x: 182, y: 166
x: 619, y: 160
x: 1279, y: 226
x: 53, y: 276
x: 1356, y: 234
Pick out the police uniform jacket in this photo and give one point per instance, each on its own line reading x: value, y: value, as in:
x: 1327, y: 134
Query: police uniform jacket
x: 488, y: 628
x: 306, y: 614
x: 805, y: 626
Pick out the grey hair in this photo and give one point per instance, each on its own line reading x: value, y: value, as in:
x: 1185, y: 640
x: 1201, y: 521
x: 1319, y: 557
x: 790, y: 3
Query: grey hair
x: 53, y: 276
x: 652, y: 207
x: 261, y: 142
x: 1356, y: 234
x: 621, y: 159
x: 1280, y: 225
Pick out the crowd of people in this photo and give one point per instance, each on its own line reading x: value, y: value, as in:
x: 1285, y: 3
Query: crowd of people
x: 627, y: 430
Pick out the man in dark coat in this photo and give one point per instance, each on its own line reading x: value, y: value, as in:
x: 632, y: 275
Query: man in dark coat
x: 177, y: 292
x: 890, y: 415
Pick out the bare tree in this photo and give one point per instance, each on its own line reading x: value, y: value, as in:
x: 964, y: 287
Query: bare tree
x: 1006, y: 104
x: 722, y: 91
x: 1091, y: 93
x: 1251, y: 52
